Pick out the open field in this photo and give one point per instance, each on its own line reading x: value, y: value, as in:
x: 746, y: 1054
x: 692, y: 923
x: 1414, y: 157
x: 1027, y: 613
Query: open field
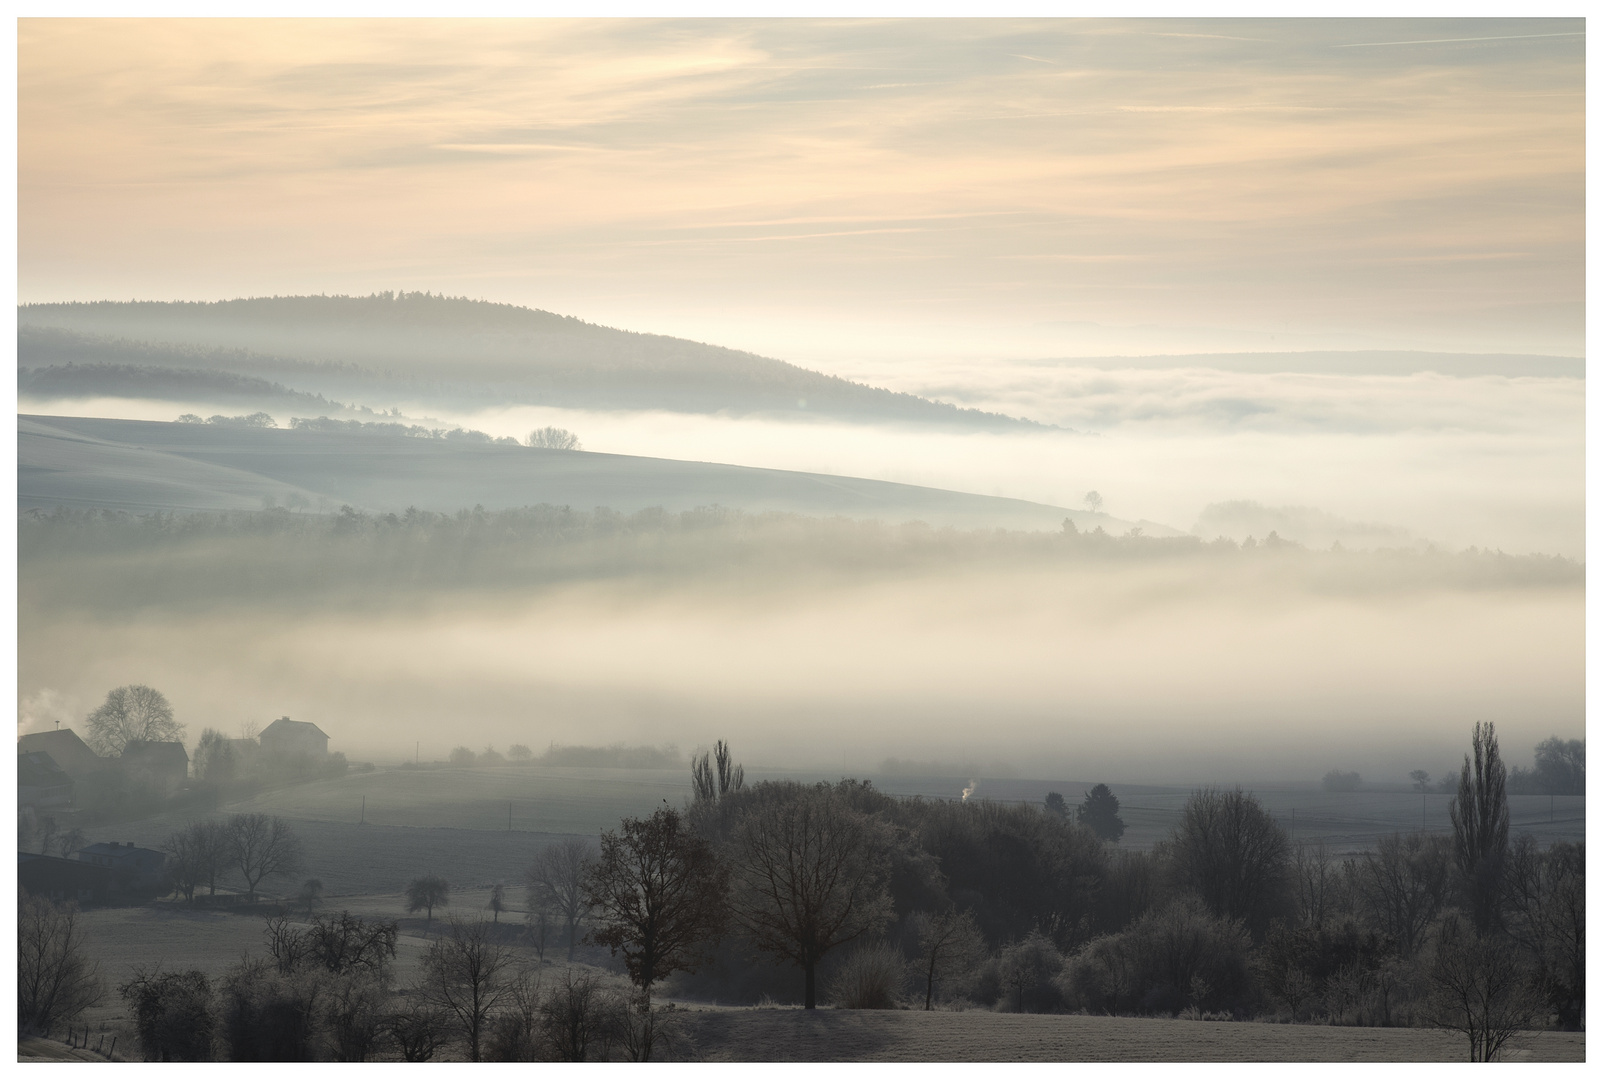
x: 453, y: 821
x: 832, y: 1035
x: 179, y: 939
x: 585, y: 801
x: 141, y: 466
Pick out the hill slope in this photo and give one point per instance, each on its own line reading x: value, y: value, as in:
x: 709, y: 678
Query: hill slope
x: 141, y: 466
x: 452, y: 349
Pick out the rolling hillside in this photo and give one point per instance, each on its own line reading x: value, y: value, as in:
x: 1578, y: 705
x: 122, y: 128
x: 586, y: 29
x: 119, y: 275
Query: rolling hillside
x: 142, y: 466
x: 458, y: 351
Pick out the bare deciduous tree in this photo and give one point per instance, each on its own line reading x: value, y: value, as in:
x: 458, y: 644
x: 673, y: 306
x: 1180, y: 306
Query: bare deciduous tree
x: 949, y: 944
x: 556, y: 883
x: 553, y: 438
x: 56, y: 980
x: 658, y: 892
x: 1403, y: 885
x: 809, y: 874
x: 1230, y: 852
x: 419, y: 1031
x: 427, y: 893
x: 262, y: 846
x: 1480, y: 988
x: 132, y: 713
x: 465, y: 974
x: 1315, y: 879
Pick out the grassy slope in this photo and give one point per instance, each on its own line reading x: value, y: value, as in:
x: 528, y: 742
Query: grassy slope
x: 141, y: 466
x: 460, y: 347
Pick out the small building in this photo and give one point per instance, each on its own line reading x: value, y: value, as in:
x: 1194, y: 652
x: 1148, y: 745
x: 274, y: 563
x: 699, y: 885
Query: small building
x: 134, y: 870
x: 64, y: 879
x: 160, y: 766
x: 288, y: 738
x: 41, y: 783
x: 70, y: 753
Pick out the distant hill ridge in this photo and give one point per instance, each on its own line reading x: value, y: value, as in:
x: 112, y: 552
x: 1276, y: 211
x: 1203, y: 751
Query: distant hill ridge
x: 454, y: 348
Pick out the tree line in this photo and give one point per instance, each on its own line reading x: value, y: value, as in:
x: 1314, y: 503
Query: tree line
x: 838, y: 893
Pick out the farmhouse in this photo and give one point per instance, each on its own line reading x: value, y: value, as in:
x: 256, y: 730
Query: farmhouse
x: 69, y: 752
x: 64, y: 879
x: 133, y: 869
x: 97, y: 874
x: 160, y: 766
x: 288, y: 738
x: 41, y: 783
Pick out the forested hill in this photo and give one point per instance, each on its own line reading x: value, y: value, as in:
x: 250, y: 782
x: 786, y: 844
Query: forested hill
x: 454, y: 348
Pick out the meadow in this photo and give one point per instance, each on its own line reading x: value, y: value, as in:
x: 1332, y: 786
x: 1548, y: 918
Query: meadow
x: 370, y: 833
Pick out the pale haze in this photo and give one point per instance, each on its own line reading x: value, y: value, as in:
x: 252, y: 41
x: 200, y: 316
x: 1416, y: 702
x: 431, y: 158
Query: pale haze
x: 1320, y: 277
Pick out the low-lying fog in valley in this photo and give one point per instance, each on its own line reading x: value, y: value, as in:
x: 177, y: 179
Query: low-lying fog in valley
x: 815, y: 643
x: 1487, y: 460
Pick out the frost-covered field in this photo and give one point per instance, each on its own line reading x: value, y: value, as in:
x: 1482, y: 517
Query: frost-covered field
x: 831, y: 1035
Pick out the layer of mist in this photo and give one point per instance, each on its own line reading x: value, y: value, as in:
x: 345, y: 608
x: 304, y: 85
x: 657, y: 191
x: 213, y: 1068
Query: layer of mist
x: 814, y: 643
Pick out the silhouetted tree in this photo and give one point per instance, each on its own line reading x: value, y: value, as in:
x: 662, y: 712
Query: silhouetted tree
x: 465, y: 974
x: 1561, y: 766
x: 809, y: 873
x: 1403, y: 885
x: 427, y: 893
x: 311, y: 893
x: 497, y: 900
x: 556, y: 883
x: 1056, y: 805
x: 172, y: 1012
x: 132, y: 713
x: 1100, y: 813
x: 659, y: 893
x: 262, y: 846
x: 1421, y: 780
x: 715, y: 775
x: 553, y: 438
x: 419, y: 1030
x: 56, y: 979
x: 1230, y: 852
x: 519, y: 752
x: 1547, y: 901
x: 1479, y: 813
x: 1479, y: 987
x: 949, y: 945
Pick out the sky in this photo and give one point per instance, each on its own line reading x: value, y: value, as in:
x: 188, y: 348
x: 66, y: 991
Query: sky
x: 850, y: 195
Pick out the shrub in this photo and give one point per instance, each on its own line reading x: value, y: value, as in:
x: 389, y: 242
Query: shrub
x: 1028, y: 971
x: 870, y: 977
x: 1177, y: 956
x: 172, y: 1014
x: 56, y: 980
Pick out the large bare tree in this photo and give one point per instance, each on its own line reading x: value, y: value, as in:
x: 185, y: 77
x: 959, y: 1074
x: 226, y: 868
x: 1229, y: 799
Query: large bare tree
x: 465, y: 973
x: 56, y: 979
x: 132, y: 713
x: 658, y: 891
x: 555, y: 882
x: 1403, y: 885
x: 1229, y: 851
x: 808, y: 873
x: 262, y: 846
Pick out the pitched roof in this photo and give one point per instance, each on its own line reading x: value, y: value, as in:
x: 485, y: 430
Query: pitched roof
x: 68, y: 751
x: 169, y: 752
x: 284, y: 725
x: 40, y: 770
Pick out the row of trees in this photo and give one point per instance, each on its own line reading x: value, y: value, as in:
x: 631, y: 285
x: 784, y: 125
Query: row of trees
x: 247, y: 848
x: 1022, y: 908
x: 327, y: 992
